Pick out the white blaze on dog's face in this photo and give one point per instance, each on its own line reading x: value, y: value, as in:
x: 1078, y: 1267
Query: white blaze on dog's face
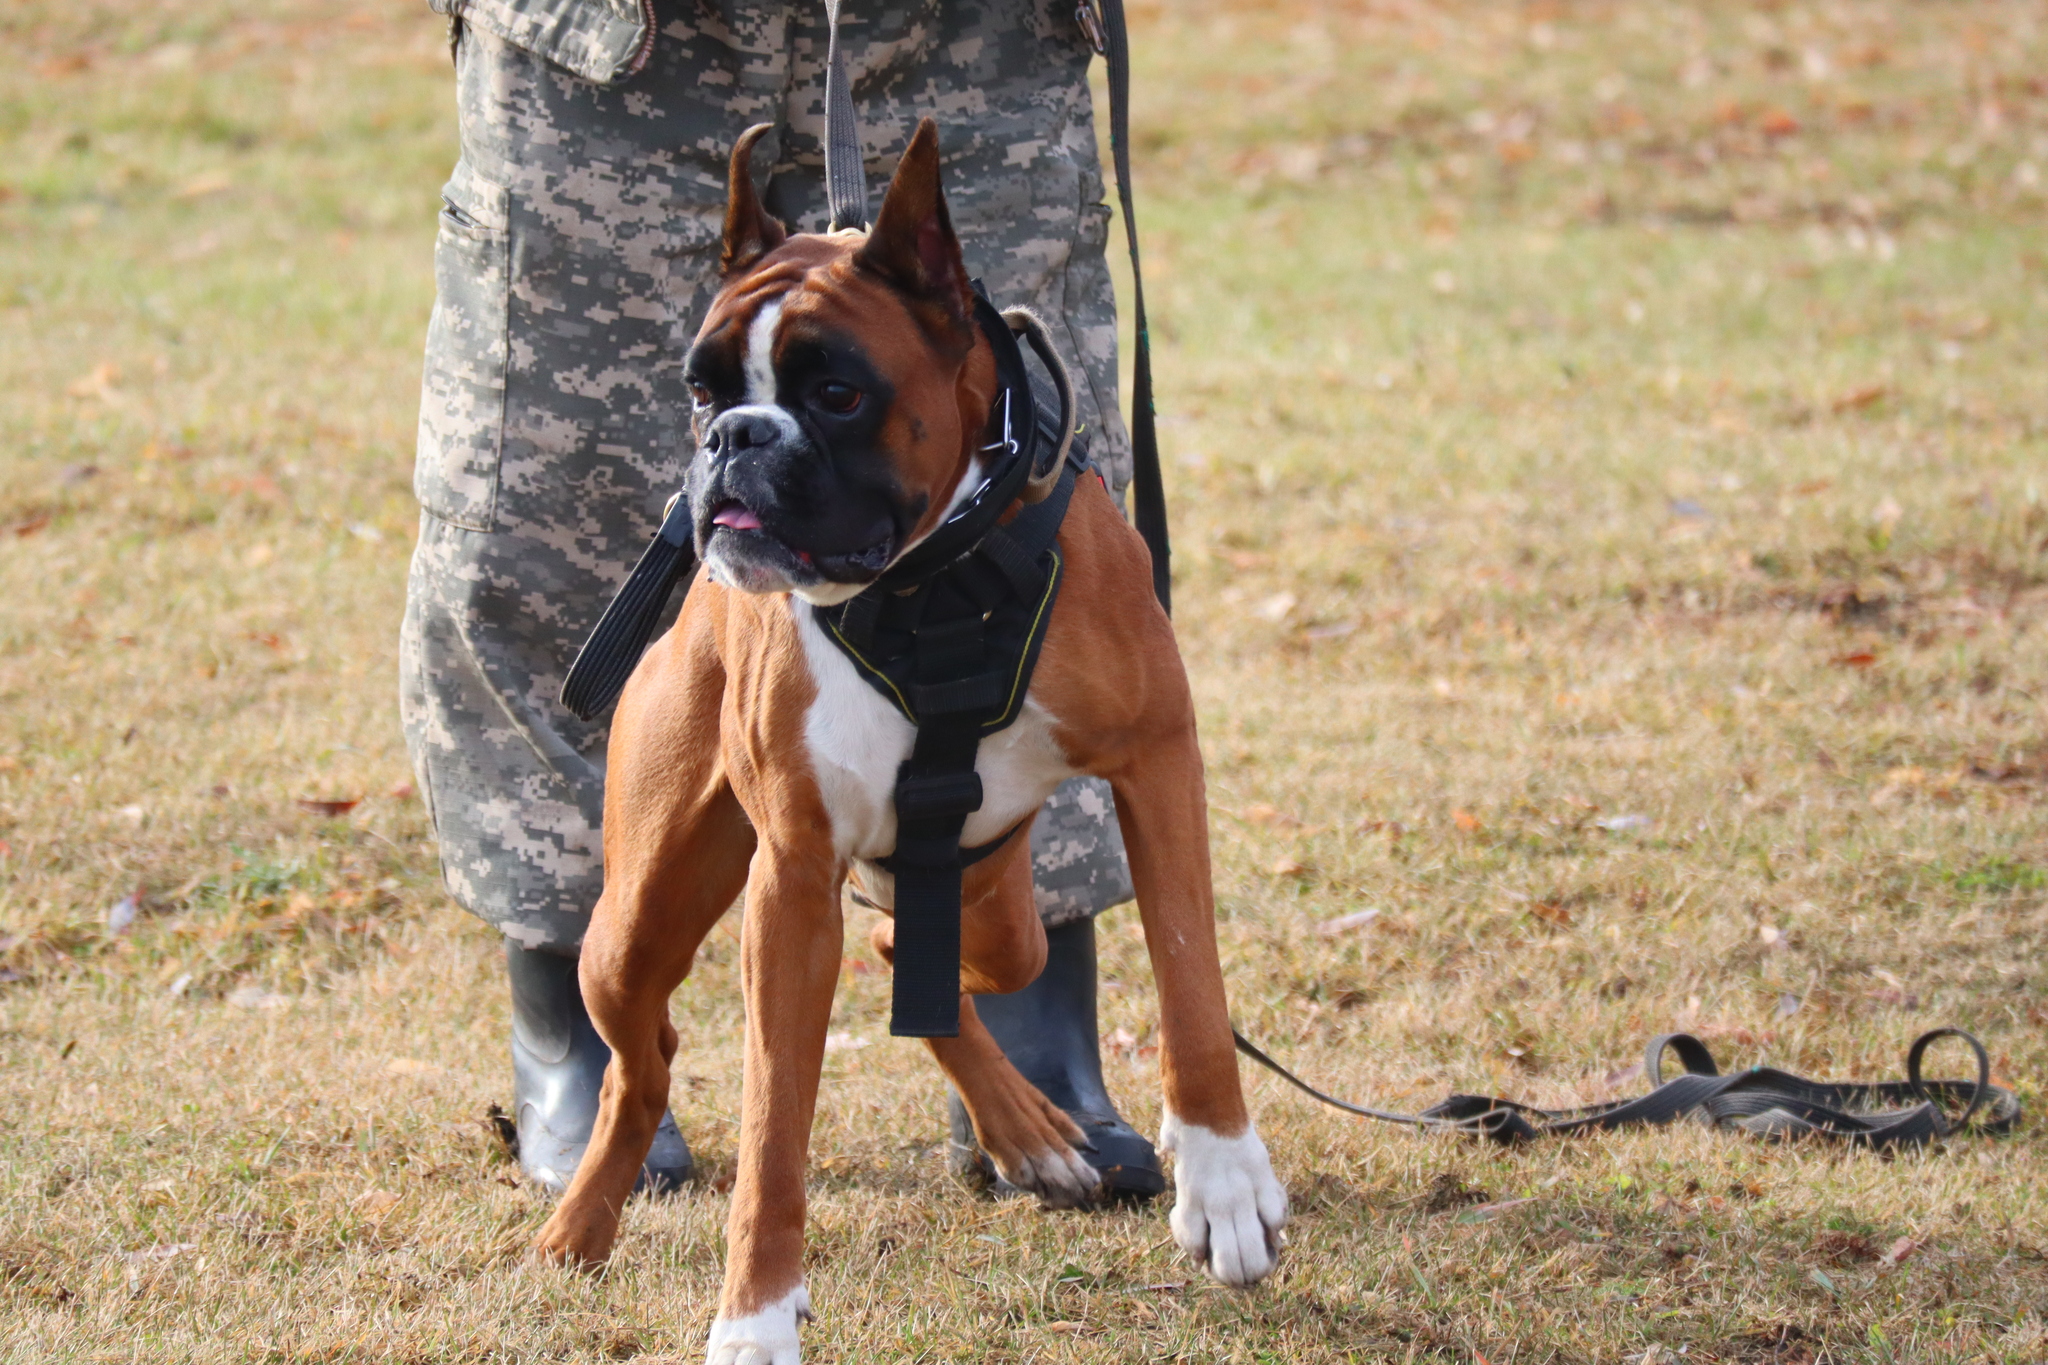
x: 840, y: 389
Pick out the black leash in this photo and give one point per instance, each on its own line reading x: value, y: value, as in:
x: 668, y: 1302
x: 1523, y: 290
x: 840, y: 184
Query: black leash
x: 846, y: 186
x: 1760, y: 1101
x: 1103, y: 21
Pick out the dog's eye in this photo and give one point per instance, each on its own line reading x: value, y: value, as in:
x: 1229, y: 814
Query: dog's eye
x: 836, y: 397
x: 700, y: 395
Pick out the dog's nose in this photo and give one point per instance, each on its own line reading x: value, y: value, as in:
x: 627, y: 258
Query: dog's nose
x: 738, y: 431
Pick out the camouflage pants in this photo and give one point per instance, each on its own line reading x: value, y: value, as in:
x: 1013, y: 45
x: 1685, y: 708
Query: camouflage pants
x: 578, y: 246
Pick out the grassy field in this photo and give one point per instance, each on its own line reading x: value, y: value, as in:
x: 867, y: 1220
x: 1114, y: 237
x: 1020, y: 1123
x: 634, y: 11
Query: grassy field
x: 1606, y: 445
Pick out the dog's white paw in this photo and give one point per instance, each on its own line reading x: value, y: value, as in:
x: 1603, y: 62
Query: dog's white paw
x: 1060, y: 1176
x: 1228, y: 1208
x: 767, y: 1337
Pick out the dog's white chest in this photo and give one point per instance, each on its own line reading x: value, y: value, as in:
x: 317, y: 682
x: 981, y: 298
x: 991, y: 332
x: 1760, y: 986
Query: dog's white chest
x: 857, y: 741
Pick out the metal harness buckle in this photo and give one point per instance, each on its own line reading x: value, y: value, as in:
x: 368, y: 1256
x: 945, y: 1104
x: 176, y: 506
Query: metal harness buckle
x: 1008, y: 445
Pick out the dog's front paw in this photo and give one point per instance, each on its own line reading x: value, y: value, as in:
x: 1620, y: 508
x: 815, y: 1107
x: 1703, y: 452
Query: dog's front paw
x: 1228, y: 1208
x: 764, y: 1337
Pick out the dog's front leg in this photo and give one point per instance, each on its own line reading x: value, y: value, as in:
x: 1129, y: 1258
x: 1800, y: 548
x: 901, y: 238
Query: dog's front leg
x: 789, y: 967
x: 1228, y: 1207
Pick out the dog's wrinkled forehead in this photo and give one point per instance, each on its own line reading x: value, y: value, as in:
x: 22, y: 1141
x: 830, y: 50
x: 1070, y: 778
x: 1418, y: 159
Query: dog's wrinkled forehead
x: 802, y: 313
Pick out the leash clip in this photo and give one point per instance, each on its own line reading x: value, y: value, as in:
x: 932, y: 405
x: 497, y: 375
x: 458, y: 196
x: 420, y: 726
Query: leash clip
x: 1088, y: 14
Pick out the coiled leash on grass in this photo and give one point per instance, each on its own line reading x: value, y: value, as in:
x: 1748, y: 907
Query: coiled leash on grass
x: 1765, y: 1102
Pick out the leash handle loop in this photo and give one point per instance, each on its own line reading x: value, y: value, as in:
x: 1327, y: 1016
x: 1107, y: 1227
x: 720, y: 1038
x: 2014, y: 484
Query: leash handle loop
x: 1977, y: 1096
x: 1692, y: 1054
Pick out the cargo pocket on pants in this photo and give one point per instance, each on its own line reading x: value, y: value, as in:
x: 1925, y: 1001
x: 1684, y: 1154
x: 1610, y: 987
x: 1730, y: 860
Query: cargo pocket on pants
x: 462, y: 398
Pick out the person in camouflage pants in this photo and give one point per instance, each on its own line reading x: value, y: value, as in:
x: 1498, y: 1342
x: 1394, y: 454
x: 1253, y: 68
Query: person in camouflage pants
x: 578, y: 247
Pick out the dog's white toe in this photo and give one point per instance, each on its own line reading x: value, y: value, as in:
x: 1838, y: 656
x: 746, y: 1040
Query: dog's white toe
x: 767, y: 1337
x: 1228, y: 1207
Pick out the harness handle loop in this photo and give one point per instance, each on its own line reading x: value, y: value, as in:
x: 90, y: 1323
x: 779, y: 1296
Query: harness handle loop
x: 1977, y: 1096
x: 1038, y: 485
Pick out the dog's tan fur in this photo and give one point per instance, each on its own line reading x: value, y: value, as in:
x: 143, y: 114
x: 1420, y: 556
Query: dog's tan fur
x: 711, y: 790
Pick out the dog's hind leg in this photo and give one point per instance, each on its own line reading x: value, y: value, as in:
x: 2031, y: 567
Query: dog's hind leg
x: 1228, y: 1207
x: 676, y: 848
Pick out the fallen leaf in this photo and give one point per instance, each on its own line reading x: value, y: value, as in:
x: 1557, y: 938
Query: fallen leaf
x: 1277, y: 607
x: 163, y: 1251
x: 1467, y: 821
x: 1288, y: 867
x: 1778, y: 123
x: 256, y: 998
x: 378, y: 1202
x: 98, y: 383
x: 31, y: 525
x: 1902, y: 1251
x: 1812, y: 486
x: 210, y: 182
x: 121, y: 914
x: 1862, y: 658
x: 1551, y: 913
x: 1849, y: 402
x: 329, y: 808
x: 1344, y: 924
x: 1487, y: 1212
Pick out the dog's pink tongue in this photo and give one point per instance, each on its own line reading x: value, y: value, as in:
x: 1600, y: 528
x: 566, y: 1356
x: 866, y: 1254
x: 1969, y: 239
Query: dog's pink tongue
x: 737, y: 518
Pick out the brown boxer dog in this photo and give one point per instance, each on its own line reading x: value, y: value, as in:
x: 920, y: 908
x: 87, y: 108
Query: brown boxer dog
x: 841, y: 391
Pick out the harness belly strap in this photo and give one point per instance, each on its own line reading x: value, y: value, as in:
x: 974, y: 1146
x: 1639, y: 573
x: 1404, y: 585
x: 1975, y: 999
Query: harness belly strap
x: 954, y: 653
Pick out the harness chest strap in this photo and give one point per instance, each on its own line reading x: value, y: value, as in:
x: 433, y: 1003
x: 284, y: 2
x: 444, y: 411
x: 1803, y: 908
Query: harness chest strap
x: 954, y: 654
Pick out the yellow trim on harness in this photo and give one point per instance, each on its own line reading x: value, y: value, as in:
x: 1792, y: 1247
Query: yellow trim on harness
x: 1052, y: 583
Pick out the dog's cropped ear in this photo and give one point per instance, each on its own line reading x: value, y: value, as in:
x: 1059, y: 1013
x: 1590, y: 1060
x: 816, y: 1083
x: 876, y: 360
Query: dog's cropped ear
x: 912, y: 244
x: 750, y: 233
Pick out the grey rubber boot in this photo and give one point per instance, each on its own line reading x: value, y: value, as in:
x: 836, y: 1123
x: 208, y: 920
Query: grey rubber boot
x: 558, y: 1064
x: 1048, y: 1031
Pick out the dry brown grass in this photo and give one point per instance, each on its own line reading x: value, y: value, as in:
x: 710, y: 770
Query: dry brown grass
x: 1576, y: 413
